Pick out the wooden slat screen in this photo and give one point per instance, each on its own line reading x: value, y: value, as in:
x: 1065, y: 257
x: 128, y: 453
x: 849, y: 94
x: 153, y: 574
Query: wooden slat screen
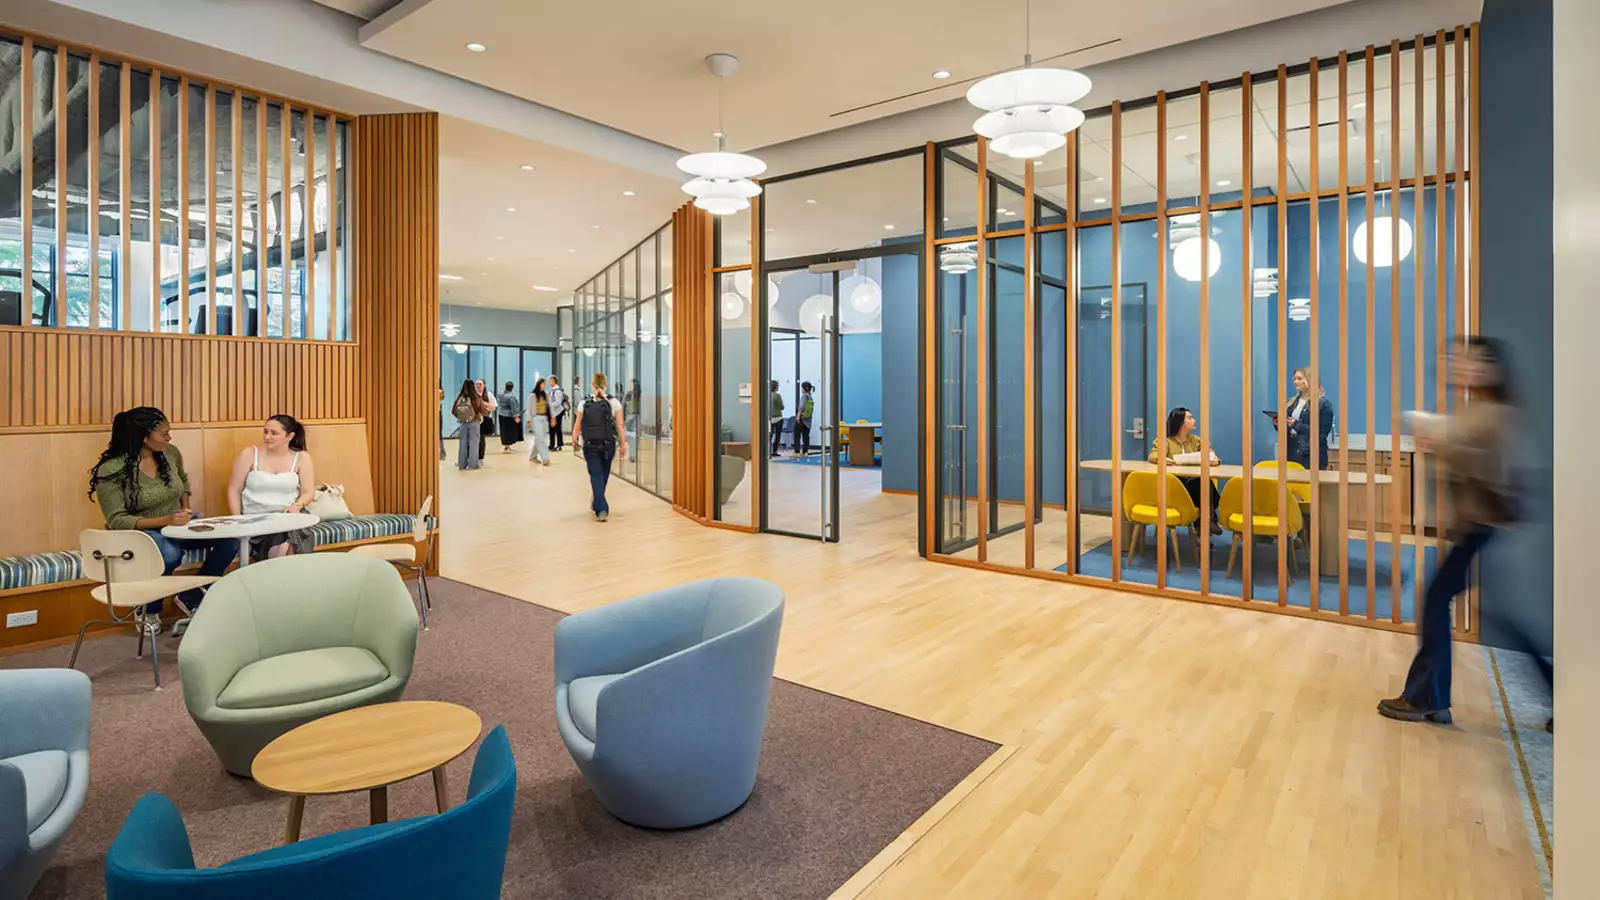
x: 52, y: 378
x: 396, y: 260
x: 693, y: 363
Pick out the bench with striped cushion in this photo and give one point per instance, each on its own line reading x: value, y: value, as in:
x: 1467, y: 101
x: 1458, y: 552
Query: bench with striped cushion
x: 39, y: 569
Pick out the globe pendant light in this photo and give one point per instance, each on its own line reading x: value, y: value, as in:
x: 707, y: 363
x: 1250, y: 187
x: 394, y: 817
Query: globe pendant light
x: 722, y: 182
x: 1028, y: 111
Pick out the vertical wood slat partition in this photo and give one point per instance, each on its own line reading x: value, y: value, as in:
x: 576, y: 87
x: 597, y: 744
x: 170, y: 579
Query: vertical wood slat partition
x: 1372, y: 337
x: 1283, y: 333
x: 1344, y: 333
x: 1204, y: 423
x: 1466, y: 619
x: 1074, y: 543
x: 397, y: 208
x: 1030, y: 381
x: 984, y: 444
x: 1394, y: 333
x: 1117, y: 523
x: 1247, y: 295
x: 1313, y: 552
x: 693, y: 365
x: 1441, y: 285
x: 1161, y: 337
x: 931, y: 329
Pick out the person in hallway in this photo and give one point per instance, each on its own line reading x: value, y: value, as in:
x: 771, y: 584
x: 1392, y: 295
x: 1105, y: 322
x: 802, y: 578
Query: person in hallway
x: 558, y: 409
x: 630, y: 407
x: 1297, y: 415
x: 1181, y: 441
x: 508, y: 407
x: 1470, y: 446
x: 140, y: 483
x: 574, y: 405
x: 601, y: 437
x: 441, y: 422
x: 802, y: 420
x: 275, y: 477
x: 469, y: 416
x: 775, y: 415
x: 539, y: 420
x: 487, y: 404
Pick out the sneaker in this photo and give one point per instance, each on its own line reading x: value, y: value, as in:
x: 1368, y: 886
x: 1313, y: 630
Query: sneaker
x: 600, y: 517
x: 150, y: 623
x: 1401, y: 709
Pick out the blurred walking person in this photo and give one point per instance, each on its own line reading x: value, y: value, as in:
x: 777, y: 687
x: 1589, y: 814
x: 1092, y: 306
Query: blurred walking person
x: 1470, y: 448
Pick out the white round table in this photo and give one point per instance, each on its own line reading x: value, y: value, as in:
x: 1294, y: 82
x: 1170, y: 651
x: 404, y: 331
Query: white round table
x: 268, y: 523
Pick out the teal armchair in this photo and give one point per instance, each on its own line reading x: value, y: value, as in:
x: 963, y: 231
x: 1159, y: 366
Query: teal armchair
x: 44, y: 769
x: 285, y: 641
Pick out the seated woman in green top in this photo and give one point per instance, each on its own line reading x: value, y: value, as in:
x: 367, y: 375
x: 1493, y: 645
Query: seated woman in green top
x: 1181, y: 439
x: 139, y: 482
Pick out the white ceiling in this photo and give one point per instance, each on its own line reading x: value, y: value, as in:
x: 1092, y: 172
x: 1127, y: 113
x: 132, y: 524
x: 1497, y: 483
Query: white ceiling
x: 499, y: 255
x: 638, y: 66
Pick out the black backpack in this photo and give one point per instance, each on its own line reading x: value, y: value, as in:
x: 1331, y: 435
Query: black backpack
x: 596, y: 423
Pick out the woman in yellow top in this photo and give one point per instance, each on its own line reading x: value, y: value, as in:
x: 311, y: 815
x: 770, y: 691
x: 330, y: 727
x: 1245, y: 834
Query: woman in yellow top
x: 1179, y: 440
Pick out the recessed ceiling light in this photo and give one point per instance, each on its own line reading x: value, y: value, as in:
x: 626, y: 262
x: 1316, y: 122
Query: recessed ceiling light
x: 527, y: 168
x: 476, y: 47
x: 491, y: 259
x: 1003, y: 211
x: 543, y: 287
x: 511, y: 209
x: 717, y: 134
x: 1180, y: 137
x: 1224, y: 182
x: 499, y: 237
x: 478, y: 302
x: 941, y: 74
x: 627, y: 193
x: 811, y: 202
x: 571, y: 250
x: 449, y: 277
x: 888, y: 228
x: 484, y: 274
x: 1100, y: 200
x: 594, y: 225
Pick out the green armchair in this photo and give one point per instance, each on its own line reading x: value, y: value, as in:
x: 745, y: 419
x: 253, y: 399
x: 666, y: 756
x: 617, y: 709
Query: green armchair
x: 289, y: 640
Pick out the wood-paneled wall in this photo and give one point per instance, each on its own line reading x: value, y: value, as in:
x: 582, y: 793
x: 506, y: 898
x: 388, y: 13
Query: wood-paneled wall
x: 53, y: 377
x: 693, y: 363
x: 397, y: 311
x: 47, y: 509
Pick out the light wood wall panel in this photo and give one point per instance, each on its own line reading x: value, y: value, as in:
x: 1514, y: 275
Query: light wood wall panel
x: 48, y: 509
x: 396, y: 253
x: 693, y: 364
x: 51, y: 378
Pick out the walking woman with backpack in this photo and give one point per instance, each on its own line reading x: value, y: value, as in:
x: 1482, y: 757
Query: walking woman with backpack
x: 469, y: 414
x: 602, y: 438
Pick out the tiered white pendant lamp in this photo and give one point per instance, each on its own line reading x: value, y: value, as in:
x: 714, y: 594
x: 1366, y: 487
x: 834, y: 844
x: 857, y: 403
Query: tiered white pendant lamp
x: 722, y: 182
x: 1029, y: 110
x: 959, y: 259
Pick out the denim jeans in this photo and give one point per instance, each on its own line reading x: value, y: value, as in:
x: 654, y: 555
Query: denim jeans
x: 1428, y: 682
x: 219, y: 555
x: 467, y: 449
x: 598, y: 457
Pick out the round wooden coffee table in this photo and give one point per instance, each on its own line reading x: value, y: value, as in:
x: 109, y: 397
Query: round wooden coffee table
x: 366, y: 749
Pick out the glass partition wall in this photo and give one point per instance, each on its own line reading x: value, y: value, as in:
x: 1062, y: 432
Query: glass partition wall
x: 622, y: 327
x: 135, y: 199
x: 1175, y: 354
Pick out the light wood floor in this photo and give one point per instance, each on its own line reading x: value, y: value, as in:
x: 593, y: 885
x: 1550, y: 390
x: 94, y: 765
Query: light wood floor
x: 1151, y: 748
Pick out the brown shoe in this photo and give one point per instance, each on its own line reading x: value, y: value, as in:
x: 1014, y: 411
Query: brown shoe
x: 1400, y: 708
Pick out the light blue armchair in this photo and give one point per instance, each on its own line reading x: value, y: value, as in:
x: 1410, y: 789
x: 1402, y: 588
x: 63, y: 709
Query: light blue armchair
x: 44, y: 768
x: 662, y: 699
x: 459, y: 854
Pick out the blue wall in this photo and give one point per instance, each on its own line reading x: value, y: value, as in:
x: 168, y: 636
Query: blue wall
x: 861, y: 377
x: 1517, y: 185
x: 901, y: 392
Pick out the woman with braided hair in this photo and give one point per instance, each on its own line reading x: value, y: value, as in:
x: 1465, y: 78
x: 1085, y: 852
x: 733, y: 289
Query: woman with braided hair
x: 140, y: 483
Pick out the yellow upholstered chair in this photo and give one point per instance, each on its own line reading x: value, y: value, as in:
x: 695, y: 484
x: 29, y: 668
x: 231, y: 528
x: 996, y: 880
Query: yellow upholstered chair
x: 1300, y: 492
x: 1263, y: 521
x: 844, y: 434
x: 129, y: 567
x: 405, y: 555
x: 1141, y: 507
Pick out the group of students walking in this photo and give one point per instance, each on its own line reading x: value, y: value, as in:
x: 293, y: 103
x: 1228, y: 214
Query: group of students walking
x: 598, y: 431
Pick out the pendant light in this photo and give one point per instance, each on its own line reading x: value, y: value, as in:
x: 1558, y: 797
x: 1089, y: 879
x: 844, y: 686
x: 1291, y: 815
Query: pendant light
x: 1029, y: 110
x: 722, y: 182
x: 958, y: 259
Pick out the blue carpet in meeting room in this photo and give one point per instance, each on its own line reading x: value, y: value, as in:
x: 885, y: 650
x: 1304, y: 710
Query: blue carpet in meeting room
x: 1264, y: 581
x: 815, y: 459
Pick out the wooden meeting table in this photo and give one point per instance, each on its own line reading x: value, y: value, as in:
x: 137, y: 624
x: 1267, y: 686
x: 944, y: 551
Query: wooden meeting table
x: 1328, y: 534
x: 863, y: 442
x: 366, y: 749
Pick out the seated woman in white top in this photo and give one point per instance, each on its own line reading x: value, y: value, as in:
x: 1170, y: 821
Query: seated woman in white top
x: 276, y: 477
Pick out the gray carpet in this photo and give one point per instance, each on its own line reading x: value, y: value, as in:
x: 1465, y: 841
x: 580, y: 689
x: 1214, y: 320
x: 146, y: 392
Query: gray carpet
x: 1531, y: 749
x: 838, y: 781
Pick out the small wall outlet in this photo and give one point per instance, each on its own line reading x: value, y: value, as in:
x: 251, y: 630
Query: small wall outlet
x: 19, y: 619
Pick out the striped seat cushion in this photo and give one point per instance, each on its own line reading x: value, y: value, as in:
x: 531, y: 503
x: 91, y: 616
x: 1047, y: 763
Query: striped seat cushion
x: 39, y: 569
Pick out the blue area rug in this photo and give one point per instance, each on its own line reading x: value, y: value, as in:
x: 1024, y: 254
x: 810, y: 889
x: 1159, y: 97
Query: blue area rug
x: 815, y: 459
x: 1264, y: 572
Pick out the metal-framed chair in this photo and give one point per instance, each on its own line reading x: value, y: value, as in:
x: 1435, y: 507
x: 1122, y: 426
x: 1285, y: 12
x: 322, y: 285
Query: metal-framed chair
x: 130, y: 569
x: 405, y: 555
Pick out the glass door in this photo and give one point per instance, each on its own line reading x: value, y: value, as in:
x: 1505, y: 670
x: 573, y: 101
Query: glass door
x: 957, y: 486
x: 800, y: 399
